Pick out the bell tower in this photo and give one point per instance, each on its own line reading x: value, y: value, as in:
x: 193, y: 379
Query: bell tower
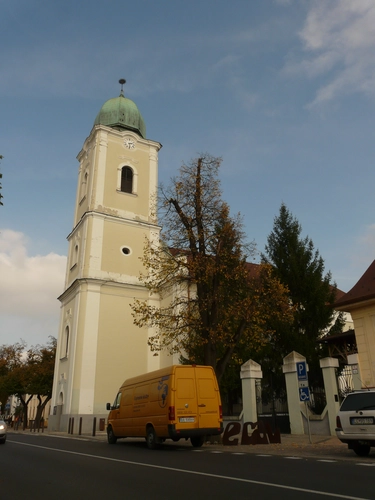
x: 98, y: 345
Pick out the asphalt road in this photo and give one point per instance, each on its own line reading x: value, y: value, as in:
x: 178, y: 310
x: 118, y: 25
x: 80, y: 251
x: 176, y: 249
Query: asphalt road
x: 39, y: 466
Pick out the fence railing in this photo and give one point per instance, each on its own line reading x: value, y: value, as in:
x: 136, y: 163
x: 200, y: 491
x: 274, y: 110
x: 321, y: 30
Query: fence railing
x: 345, y: 381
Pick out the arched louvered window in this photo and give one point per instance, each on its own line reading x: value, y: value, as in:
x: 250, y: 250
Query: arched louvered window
x: 126, y: 180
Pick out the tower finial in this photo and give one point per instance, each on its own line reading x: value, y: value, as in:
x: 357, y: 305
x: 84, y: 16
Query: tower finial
x: 122, y: 81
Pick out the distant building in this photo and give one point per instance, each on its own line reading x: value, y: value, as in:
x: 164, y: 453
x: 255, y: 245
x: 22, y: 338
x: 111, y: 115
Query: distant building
x: 10, y: 407
x: 32, y: 409
x: 14, y: 403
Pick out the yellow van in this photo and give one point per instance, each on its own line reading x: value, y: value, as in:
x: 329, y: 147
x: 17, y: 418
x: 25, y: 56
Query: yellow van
x: 181, y: 401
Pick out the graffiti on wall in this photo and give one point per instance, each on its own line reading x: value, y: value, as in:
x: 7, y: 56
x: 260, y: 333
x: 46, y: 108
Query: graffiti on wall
x: 261, y: 433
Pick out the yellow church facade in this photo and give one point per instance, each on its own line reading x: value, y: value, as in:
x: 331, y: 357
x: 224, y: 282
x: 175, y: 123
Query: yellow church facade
x: 98, y: 344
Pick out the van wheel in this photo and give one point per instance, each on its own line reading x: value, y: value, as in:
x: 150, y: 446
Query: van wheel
x: 151, y: 438
x: 362, y: 450
x: 197, y: 441
x: 111, y: 436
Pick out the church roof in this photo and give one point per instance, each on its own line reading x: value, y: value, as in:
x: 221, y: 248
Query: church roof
x: 121, y: 113
x: 363, y: 290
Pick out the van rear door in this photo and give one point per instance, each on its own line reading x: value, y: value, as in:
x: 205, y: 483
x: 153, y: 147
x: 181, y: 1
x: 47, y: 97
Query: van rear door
x: 208, y: 397
x: 197, y: 398
x: 185, y: 398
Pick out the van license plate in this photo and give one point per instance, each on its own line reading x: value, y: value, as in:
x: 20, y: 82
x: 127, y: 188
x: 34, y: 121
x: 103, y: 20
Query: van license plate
x: 362, y: 420
x: 187, y: 419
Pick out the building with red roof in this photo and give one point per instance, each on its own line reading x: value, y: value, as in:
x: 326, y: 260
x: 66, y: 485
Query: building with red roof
x: 360, y: 303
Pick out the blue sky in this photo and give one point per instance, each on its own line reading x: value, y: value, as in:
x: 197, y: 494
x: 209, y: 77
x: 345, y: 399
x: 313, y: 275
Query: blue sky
x: 282, y: 90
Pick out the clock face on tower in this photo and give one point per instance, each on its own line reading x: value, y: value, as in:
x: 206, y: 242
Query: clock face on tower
x: 129, y: 143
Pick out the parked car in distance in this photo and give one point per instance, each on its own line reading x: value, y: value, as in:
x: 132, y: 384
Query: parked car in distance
x: 3, y: 432
x: 355, y: 421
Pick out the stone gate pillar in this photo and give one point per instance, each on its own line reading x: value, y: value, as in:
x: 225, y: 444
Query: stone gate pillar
x: 329, y: 365
x: 292, y: 390
x: 250, y: 372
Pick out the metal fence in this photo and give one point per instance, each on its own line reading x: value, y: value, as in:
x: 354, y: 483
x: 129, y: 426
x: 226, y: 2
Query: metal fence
x: 344, y: 381
x: 272, y: 409
x: 317, y: 400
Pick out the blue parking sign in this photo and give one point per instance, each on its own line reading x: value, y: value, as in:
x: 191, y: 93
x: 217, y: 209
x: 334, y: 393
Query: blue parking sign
x: 304, y: 394
x: 301, y: 370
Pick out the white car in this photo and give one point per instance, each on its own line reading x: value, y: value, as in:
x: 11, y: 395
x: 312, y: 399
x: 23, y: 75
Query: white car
x: 355, y: 422
x: 3, y: 432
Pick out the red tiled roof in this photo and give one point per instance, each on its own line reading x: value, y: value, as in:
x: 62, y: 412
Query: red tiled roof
x: 253, y: 269
x: 363, y: 290
x: 339, y: 294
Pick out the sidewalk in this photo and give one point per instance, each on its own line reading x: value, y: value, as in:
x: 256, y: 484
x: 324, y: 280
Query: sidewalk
x: 299, y: 445
x: 321, y: 447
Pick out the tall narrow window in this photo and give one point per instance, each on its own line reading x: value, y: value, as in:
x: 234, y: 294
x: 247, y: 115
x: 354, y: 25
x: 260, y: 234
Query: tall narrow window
x: 65, y: 346
x: 126, y: 180
x: 84, y: 186
x: 75, y: 254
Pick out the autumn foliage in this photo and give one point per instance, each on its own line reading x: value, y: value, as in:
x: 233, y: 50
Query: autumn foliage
x: 27, y: 372
x: 212, y: 300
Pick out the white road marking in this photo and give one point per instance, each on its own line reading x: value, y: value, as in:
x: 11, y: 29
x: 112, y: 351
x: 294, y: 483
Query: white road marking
x: 197, y: 473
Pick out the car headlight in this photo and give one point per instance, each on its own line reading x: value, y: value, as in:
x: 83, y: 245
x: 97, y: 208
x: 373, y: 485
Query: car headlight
x: 2, y: 426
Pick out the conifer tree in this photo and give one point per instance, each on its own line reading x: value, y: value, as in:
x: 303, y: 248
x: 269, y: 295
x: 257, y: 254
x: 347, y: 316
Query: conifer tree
x: 301, y: 269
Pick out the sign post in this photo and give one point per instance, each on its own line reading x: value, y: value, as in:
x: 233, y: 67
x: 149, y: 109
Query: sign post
x: 303, y: 389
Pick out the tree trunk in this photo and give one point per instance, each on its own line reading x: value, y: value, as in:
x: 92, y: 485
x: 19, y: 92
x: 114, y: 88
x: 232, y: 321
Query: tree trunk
x: 24, y: 414
x: 224, y: 360
x: 209, y: 354
x: 39, y: 411
x: 25, y: 405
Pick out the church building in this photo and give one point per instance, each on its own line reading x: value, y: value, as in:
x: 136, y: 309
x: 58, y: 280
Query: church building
x: 98, y: 344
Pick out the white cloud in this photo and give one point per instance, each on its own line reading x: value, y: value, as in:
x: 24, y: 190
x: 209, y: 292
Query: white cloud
x: 29, y: 289
x: 338, y: 44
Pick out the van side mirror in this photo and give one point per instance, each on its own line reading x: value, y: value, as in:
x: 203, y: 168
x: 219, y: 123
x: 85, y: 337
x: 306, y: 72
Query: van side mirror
x: 108, y: 406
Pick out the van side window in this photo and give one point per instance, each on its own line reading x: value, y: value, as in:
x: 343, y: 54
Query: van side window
x: 141, y: 394
x: 116, y: 404
x: 128, y: 397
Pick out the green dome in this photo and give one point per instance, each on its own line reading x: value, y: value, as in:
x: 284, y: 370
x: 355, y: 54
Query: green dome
x: 122, y: 114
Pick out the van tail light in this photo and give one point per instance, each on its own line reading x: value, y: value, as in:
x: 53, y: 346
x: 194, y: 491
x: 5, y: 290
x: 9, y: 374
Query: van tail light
x: 338, y: 422
x: 171, y: 413
x: 220, y: 412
